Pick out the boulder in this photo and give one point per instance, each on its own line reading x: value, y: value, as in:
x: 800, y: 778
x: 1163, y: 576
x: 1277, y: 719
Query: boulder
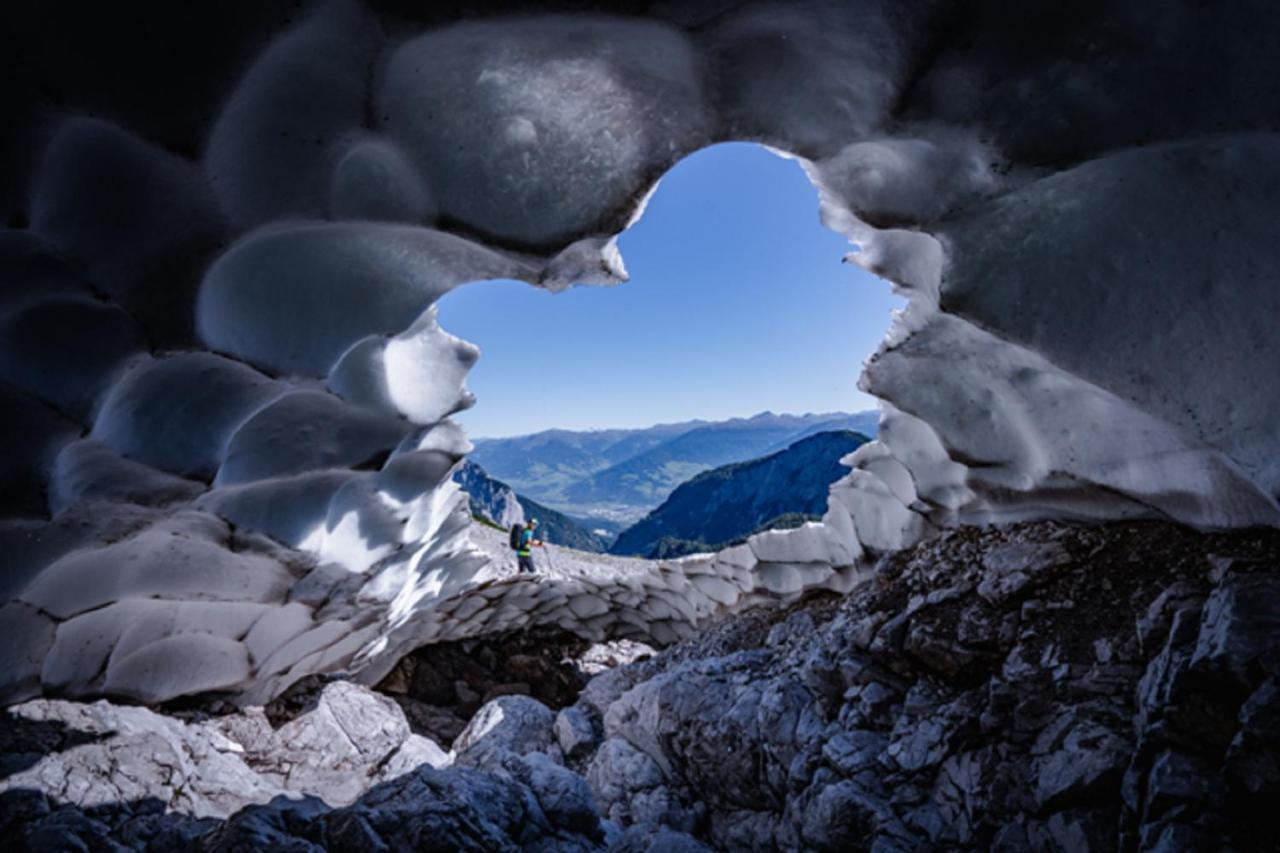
x: 648, y: 838
x: 843, y: 816
x: 1012, y: 568
x: 92, y: 756
x: 1085, y: 767
x: 565, y: 797
x: 508, y: 724
x: 575, y: 732
x: 1240, y: 629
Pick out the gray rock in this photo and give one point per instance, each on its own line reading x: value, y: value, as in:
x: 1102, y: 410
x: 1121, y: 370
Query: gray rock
x: 850, y: 752
x: 459, y: 809
x: 738, y: 732
x: 1177, y: 838
x: 352, y: 739
x: 413, y: 753
x: 1253, y: 760
x: 1164, y: 676
x: 663, y: 806
x: 798, y: 625
x: 1177, y: 779
x: 274, y: 826
x: 1013, y: 567
x: 1083, y: 831
x: 575, y: 732
x: 330, y: 751
x: 70, y: 829
x: 1241, y: 628
x: 507, y: 725
x: 351, y: 830
x: 1011, y: 838
x: 919, y: 744
x: 657, y: 839
x: 605, y: 689
x: 1260, y: 714
x: 1085, y: 766
x: 963, y: 793
x: 21, y: 807
x: 631, y: 788
x: 843, y: 816
x: 123, y: 754
x: 890, y: 635
x: 979, y: 625
x: 1153, y: 625
x: 746, y: 829
x: 939, y: 654
x: 618, y: 772
x: 565, y: 797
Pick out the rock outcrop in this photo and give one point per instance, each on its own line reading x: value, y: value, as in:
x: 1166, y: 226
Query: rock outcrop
x: 1120, y: 695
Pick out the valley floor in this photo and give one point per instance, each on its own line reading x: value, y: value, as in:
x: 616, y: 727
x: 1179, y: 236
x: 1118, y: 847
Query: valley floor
x: 1039, y: 687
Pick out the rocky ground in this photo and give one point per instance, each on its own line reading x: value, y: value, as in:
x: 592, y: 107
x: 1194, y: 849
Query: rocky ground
x: 1040, y: 687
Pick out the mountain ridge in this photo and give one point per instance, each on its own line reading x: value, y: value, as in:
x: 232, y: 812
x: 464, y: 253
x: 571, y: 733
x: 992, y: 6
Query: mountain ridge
x: 726, y: 503
x: 620, y: 474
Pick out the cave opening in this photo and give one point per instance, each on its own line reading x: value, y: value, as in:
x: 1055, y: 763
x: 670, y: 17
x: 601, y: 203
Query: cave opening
x: 736, y: 338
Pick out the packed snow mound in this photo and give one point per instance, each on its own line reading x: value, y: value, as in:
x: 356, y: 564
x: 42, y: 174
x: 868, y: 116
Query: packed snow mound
x: 375, y: 180
x: 294, y: 298
x: 64, y: 350
x: 227, y: 460
x: 276, y: 140
x: 1195, y: 373
x: 179, y: 413
x: 535, y: 131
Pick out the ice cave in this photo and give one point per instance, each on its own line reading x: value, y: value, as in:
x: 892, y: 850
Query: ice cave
x: 1041, y: 612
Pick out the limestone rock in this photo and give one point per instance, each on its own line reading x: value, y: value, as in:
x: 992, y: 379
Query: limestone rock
x: 1090, y: 759
x: 656, y: 839
x: 1241, y: 628
x: 1012, y: 568
x: 103, y: 754
x: 575, y: 732
x: 506, y: 725
x: 565, y: 797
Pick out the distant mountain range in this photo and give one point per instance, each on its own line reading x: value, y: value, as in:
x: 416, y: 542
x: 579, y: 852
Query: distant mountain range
x: 500, y: 505
x: 613, y: 477
x: 546, y: 463
x: 720, y: 506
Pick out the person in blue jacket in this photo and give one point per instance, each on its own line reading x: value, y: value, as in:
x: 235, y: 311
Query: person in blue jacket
x: 524, y: 553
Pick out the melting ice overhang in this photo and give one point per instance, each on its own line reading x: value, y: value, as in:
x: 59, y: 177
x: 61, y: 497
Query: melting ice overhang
x: 227, y: 437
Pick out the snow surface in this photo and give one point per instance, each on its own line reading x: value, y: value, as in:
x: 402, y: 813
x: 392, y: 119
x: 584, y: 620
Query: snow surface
x: 274, y: 146
x: 555, y: 123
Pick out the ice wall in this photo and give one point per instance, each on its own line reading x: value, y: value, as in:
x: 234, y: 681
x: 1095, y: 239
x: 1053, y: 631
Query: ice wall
x: 227, y: 451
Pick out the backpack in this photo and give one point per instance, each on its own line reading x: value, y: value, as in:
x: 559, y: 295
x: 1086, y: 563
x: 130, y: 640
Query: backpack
x: 514, y: 538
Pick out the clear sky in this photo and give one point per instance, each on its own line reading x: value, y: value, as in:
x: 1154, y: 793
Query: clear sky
x: 738, y: 303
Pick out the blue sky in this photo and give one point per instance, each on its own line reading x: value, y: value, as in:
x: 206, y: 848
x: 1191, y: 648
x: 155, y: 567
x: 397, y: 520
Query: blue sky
x: 738, y: 302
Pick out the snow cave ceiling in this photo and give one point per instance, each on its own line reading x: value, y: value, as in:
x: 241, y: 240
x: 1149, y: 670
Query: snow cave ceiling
x: 227, y: 441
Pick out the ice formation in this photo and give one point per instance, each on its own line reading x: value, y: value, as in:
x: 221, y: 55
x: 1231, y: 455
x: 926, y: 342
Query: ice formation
x: 227, y: 447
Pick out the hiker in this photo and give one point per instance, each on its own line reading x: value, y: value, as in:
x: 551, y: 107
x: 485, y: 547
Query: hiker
x: 522, y: 541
